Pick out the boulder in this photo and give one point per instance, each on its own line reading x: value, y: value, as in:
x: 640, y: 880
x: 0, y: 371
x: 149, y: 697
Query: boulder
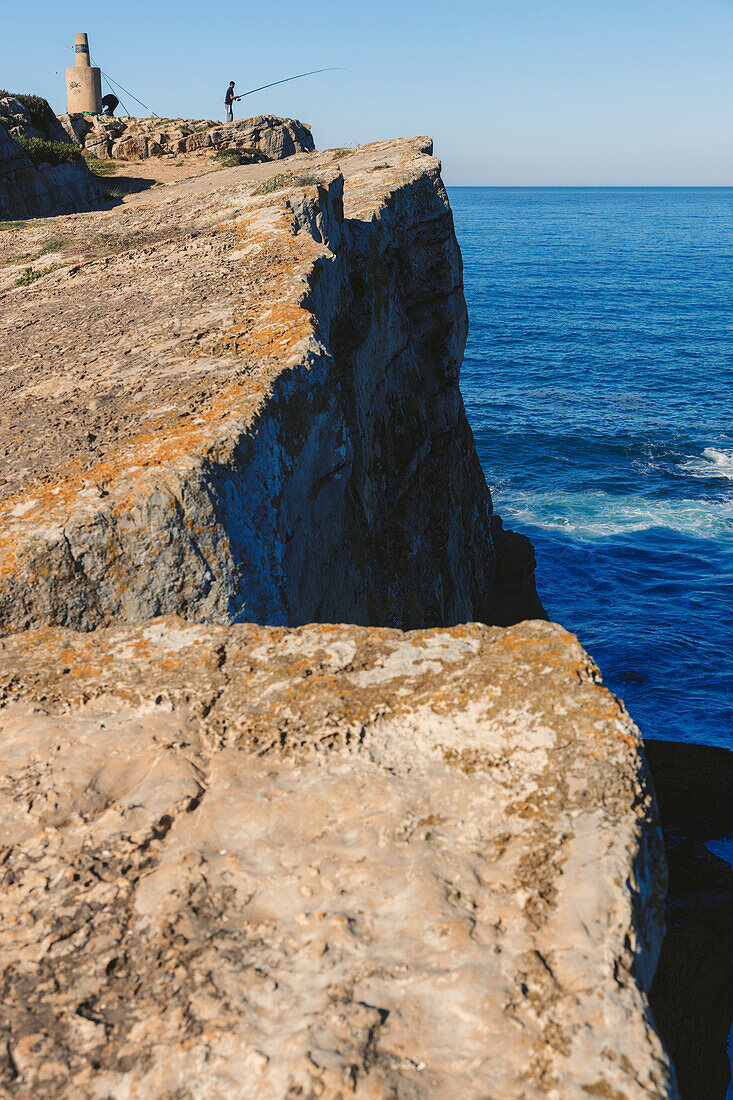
x: 246, y: 863
x: 130, y: 147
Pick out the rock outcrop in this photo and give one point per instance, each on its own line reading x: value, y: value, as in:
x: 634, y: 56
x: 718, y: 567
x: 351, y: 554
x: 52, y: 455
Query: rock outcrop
x: 251, y: 411
x: 265, y: 137
x: 261, y: 863
x: 28, y: 189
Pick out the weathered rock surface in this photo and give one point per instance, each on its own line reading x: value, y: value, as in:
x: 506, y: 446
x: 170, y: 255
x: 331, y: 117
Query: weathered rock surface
x: 266, y: 863
x: 237, y: 405
x: 28, y: 190
x: 265, y: 137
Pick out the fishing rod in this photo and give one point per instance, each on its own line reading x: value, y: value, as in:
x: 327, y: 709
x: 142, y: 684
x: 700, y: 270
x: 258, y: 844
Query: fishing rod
x: 331, y: 69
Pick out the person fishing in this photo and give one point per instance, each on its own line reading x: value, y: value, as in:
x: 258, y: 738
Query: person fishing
x: 230, y: 97
x: 229, y: 101
x: 110, y: 103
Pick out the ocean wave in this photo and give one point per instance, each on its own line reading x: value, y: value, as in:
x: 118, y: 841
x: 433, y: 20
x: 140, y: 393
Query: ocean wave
x: 712, y: 463
x: 598, y: 515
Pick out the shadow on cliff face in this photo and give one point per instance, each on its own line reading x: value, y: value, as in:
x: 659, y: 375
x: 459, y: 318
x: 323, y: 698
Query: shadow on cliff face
x: 514, y: 596
x: 692, y: 994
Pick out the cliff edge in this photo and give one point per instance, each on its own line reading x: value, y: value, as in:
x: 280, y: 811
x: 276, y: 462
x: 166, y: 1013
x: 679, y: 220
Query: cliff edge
x: 237, y: 400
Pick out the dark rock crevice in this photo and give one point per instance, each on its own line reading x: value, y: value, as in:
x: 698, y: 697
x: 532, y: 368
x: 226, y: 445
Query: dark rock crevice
x: 692, y: 994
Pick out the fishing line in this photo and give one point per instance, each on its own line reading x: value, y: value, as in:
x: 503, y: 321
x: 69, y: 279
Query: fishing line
x: 127, y: 91
x: 122, y: 105
x: 331, y: 69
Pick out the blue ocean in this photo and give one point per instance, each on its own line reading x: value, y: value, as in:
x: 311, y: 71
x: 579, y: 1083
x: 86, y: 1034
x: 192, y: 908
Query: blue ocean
x: 598, y: 380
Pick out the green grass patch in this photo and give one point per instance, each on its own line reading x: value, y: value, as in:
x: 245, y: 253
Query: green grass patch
x: 24, y: 257
x: 41, y: 114
x: 229, y: 158
x: 32, y: 275
x: 54, y: 245
x: 286, y: 179
x: 339, y: 153
x: 100, y: 168
x: 40, y: 151
x: 6, y: 226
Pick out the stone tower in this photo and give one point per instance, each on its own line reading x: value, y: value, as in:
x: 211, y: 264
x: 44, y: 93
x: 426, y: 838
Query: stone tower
x: 83, y: 83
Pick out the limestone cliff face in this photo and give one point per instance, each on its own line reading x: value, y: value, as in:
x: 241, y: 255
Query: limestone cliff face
x: 311, y: 458
x: 28, y: 190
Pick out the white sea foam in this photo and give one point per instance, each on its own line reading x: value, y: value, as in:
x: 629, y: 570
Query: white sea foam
x: 712, y: 463
x: 597, y: 515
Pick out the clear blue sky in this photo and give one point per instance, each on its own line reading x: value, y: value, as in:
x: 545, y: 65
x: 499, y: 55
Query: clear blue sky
x: 514, y: 92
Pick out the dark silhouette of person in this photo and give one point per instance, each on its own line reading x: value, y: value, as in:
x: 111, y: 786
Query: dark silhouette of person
x: 110, y: 103
x: 229, y: 101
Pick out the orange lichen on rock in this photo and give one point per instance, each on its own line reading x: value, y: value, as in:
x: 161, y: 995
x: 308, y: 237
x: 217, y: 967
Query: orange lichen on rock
x: 311, y: 854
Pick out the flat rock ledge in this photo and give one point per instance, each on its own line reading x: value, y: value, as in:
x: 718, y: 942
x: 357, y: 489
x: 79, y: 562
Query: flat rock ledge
x: 330, y: 861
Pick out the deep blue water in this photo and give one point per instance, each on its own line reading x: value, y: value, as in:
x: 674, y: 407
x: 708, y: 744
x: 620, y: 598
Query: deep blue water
x: 598, y: 380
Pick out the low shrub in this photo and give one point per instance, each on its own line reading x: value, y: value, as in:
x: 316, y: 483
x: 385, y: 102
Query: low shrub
x: 275, y: 183
x: 100, y: 168
x: 228, y: 158
x: 5, y: 226
x: 42, y: 116
x: 244, y: 154
x: 286, y: 179
x: 305, y: 179
x: 54, y: 245
x: 32, y: 275
x: 41, y: 151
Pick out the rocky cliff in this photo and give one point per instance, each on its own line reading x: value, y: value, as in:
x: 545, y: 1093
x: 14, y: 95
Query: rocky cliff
x: 251, y: 411
x: 35, y: 180
x: 265, y: 137
x: 280, y: 860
